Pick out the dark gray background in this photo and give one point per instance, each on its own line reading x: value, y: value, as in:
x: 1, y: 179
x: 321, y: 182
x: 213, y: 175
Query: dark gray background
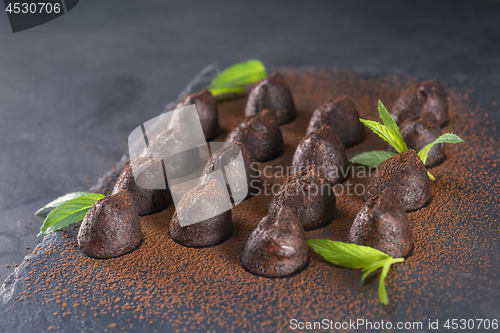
x: 72, y: 89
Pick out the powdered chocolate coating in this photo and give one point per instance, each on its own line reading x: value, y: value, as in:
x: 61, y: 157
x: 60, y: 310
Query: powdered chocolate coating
x: 342, y: 116
x: 406, y: 175
x: 206, y: 105
x: 260, y: 134
x: 382, y: 223
x: 111, y: 227
x: 324, y: 149
x: 272, y: 94
x: 425, y: 96
x: 223, y: 157
x: 146, y: 201
x: 311, y: 197
x: 205, y: 233
x: 419, y: 131
x: 277, y: 246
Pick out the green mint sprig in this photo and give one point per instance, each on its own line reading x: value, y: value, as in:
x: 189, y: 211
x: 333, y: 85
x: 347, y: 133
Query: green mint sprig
x: 59, y: 201
x: 358, y: 257
x: 234, y: 78
x: 389, y: 131
x: 372, y: 158
x: 445, y: 138
x: 67, y: 212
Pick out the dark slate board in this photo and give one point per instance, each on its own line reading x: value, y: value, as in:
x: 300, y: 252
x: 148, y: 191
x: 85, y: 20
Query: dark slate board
x: 470, y: 295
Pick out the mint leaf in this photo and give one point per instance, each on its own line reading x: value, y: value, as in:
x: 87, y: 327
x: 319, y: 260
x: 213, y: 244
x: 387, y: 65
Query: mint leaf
x: 70, y: 212
x: 57, y: 202
x: 232, y: 79
x: 372, y: 158
x: 369, y: 269
x: 382, y: 294
x: 387, y: 119
x: 228, y: 90
x: 356, y: 256
x: 389, y: 130
x: 346, y: 254
x: 394, y: 138
x: 445, y: 138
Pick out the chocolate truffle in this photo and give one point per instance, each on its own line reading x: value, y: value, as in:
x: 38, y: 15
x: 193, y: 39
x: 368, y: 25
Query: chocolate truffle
x: 146, y: 201
x: 324, y: 149
x: 342, y: 116
x: 426, y: 96
x: 111, y: 227
x: 310, y: 196
x: 277, y: 246
x: 206, y: 105
x: 260, y: 134
x: 202, y: 201
x: 382, y: 223
x: 274, y: 95
x: 420, y: 130
x: 406, y: 175
x: 169, y: 144
x: 243, y: 175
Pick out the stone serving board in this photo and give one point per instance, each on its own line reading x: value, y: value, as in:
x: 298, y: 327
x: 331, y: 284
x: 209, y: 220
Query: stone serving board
x: 454, y: 271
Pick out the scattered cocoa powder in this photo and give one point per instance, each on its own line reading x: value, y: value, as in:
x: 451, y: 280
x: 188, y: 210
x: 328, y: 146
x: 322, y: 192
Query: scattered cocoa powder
x: 456, y: 240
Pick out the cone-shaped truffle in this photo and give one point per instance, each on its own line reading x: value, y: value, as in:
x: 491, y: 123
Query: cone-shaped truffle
x: 406, y: 175
x: 203, y: 198
x: 111, y: 227
x: 324, y: 149
x: 342, y: 116
x: 418, y: 131
x: 182, y: 158
x: 277, y: 246
x: 382, y: 223
x: 206, y: 105
x: 274, y: 95
x: 242, y: 179
x: 425, y: 96
x: 260, y: 134
x: 311, y: 197
x: 146, y: 201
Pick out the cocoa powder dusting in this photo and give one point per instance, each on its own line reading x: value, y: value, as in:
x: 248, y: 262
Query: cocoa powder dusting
x: 456, y: 240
